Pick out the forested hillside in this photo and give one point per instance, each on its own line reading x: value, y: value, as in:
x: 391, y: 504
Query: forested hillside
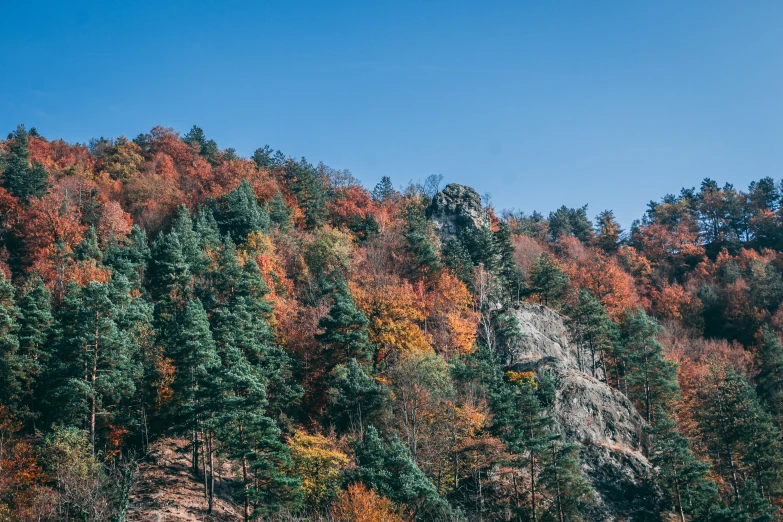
x: 320, y: 351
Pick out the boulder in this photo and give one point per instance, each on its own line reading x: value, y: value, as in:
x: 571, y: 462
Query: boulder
x: 456, y: 208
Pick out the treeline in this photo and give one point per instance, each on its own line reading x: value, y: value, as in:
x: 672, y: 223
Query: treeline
x: 325, y: 341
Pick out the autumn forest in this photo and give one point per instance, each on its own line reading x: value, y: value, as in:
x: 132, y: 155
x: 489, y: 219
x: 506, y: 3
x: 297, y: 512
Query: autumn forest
x: 312, y: 349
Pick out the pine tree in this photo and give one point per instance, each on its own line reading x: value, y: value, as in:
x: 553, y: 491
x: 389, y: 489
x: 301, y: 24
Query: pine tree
x: 96, y: 361
x: 35, y: 322
x: 238, y: 213
x: 355, y: 399
x: 239, y: 413
x: 594, y: 333
x: 13, y: 368
x: 192, y: 350
x: 390, y: 470
x: 682, y: 478
x: 345, y: 333
x: 279, y: 213
x: 740, y: 435
x: 608, y: 232
x: 19, y: 179
x: 769, y: 381
x: 384, y: 190
x: 171, y: 280
x: 561, y: 477
x: 547, y: 279
x: 652, y: 380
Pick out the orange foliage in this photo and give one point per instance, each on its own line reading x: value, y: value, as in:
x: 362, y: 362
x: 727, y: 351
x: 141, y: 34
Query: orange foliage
x: 360, y: 504
x: 396, y: 314
x: 451, y: 320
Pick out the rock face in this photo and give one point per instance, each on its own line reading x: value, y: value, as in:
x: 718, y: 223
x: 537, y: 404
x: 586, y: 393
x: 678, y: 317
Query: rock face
x: 456, y: 208
x: 590, y: 413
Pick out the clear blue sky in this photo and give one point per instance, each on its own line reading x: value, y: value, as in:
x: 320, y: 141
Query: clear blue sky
x: 608, y: 103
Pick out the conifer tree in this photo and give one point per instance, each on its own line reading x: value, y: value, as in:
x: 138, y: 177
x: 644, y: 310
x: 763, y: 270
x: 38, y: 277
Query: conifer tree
x: 769, y: 381
x: 355, y: 398
x: 19, y: 178
x: 192, y: 349
x: 682, y: 478
x: 345, y: 333
x: 384, y: 190
x: 35, y: 322
x: 279, y: 213
x: 547, y: 279
x: 13, y: 368
x: 238, y: 213
x: 390, y: 470
x: 652, y: 380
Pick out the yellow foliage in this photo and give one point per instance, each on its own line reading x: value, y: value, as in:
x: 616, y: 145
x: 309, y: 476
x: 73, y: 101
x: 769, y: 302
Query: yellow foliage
x: 523, y: 378
x: 319, y: 465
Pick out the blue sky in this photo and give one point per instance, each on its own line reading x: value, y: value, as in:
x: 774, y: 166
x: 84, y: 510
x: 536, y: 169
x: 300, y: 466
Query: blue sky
x: 540, y: 104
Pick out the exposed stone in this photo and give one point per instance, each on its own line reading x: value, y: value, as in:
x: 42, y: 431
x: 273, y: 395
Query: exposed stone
x: 456, y: 208
x: 591, y: 413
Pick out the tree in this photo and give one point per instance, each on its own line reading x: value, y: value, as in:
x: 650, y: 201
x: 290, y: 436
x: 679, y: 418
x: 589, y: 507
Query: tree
x: 238, y: 213
x: 35, y: 322
x: 19, y: 178
x: 359, y: 504
x: 547, y: 279
x: 570, y: 221
x: 682, y: 477
x: 279, y: 213
x: 608, y: 232
x: 319, y: 464
x: 769, y: 381
x: 652, y: 380
x: 355, y: 398
x: 192, y: 350
x: 344, y: 332
x: 96, y: 363
x: 392, y: 473
x: 384, y: 190
x: 14, y: 369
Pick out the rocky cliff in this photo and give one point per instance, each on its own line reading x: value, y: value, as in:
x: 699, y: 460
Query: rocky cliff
x: 455, y: 208
x: 590, y: 413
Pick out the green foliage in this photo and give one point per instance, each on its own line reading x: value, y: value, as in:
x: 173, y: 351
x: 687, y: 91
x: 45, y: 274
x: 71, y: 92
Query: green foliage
x: 345, y: 335
x: 238, y: 213
x: 570, y: 221
x: 19, y: 178
x: 547, y: 279
x: 652, y: 379
x: 355, y: 398
x: 384, y: 190
x: 390, y: 470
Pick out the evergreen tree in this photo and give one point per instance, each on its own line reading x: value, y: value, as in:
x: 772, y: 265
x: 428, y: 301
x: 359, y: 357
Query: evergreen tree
x: 192, y: 350
x: 608, y: 232
x: 457, y: 257
x: 547, y: 279
x: 355, y: 399
x: 769, y: 381
x: 682, y: 478
x: 206, y: 148
x: 237, y: 413
x: 561, y: 477
x: 35, y: 322
x: 171, y: 280
x: 97, y: 365
x: 345, y: 333
x: 88, y: 248
x: 594, y: 333
x: 570, y: 221
x: 740, y: 435
x: 279, y: 213
x: 652, y: 380
x: 238, y: 213
x: 19, y: 179
x: 13, y: 368
x: 384, y: 190
x: 390, y: 470
x: 310, y: 187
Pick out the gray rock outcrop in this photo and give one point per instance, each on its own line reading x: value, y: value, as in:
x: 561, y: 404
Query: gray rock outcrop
x: 590, y: 413
x: 456, y: 208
